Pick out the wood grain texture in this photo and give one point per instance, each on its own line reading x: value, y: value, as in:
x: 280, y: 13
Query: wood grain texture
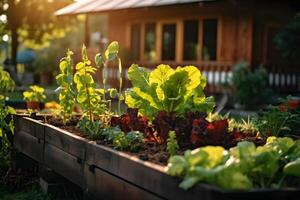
x: 146, y: 175
x: 102, y: 184
x: 29, y: 145
x: 67, y: 142
x: 65, y: 164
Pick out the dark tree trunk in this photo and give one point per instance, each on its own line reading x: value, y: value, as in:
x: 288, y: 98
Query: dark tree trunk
x: 14, y: 47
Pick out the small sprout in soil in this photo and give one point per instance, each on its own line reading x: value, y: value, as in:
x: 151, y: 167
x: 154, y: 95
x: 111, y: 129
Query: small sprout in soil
x: 172, y: 145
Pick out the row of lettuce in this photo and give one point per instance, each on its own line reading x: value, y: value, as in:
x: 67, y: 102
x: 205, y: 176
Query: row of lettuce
x: 168, y: 106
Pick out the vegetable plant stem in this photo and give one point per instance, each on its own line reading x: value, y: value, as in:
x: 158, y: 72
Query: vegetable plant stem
x: 89, y: 99
x: 104, y: 73
x: 120, y: 85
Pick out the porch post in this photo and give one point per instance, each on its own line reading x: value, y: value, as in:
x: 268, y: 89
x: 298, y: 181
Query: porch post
x: 86, y: 31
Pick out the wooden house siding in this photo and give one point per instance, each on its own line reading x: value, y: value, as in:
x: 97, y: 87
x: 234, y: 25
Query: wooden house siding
x: 234, y: 38
x: 243, y: 33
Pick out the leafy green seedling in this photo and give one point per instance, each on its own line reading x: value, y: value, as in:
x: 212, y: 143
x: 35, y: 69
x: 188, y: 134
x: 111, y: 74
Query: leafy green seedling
x: 94, y: 130
x: 111, y: 54
x: 172, y: 144
x: 67, y: 90
x: 88, y: 96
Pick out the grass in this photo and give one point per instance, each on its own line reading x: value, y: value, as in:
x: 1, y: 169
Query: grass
x: 32, y: 192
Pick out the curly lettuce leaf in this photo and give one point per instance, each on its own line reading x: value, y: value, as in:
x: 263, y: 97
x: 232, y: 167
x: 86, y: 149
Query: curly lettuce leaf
x: 166, y: 89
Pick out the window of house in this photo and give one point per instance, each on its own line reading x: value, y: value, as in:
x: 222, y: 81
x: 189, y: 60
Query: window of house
x: 168, y: 41
x: 135, y: 41
x: 190, y: 40
x: 150, y: 39
x: 209, y: 48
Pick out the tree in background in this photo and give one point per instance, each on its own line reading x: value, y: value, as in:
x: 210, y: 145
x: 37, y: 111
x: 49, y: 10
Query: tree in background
x: 32, y: 21
x: 288, y: 40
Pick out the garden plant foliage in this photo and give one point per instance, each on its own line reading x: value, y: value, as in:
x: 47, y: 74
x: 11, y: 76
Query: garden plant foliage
x: 6, y: 122
x: 35, y: 93
x: 67, y: 93
x: 251, y: 87
x: 177, y: 90
x: 242, y: 167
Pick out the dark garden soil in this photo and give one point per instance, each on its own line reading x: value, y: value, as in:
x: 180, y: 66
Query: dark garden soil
x: 150, y: 151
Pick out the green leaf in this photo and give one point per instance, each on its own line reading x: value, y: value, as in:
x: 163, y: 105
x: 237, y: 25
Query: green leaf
x: 11, y: 110
x: 139, y: 76
x: 112, y: 51
x: 86, y: 79
x: 80, y: 66
x: 292, y: 168
x: 160, y: 74
x: 133, y: 100
x: 194, y: 76
x: 63, y: 65
x: 146, y: 96
x: 98, y: 60
x: 174, y: 90
x: 189, y: 182
x: 177, y: 166
x: 113, y: 93
x: 81, y: 97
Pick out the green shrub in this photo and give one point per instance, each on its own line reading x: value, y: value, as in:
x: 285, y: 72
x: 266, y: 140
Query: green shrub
x: 251, y: 87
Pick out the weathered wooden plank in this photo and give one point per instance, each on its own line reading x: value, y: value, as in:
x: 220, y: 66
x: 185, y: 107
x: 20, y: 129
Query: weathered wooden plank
x: 21, y: 123
x: 103, y: 185
x: 64, y: 164
x: 144, y: 174
x: 115, y: 173
x: 29, y: 145
x: 65, y: 141
x: 30, y: 126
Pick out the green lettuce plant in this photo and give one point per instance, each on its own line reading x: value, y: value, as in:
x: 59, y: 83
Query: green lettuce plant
x: 67, y: 90
x: 274, y: 165
x: 177, y: 90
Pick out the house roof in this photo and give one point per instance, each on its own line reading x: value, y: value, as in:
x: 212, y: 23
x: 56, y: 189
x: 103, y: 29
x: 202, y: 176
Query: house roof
x: 92, y: 6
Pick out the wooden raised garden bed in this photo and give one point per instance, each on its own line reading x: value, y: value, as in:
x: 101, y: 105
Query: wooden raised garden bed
x: 109, y: 174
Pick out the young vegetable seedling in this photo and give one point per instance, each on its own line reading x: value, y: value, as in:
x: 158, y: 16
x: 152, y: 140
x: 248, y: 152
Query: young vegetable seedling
x: 67, y: 95
x: 111, y: 54
x: 88, y: 96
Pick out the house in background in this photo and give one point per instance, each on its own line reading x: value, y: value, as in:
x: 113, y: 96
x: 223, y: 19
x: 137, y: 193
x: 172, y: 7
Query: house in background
x: 210, y: 34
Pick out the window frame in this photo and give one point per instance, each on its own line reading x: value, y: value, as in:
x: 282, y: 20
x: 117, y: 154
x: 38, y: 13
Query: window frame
x: 179, y: 22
